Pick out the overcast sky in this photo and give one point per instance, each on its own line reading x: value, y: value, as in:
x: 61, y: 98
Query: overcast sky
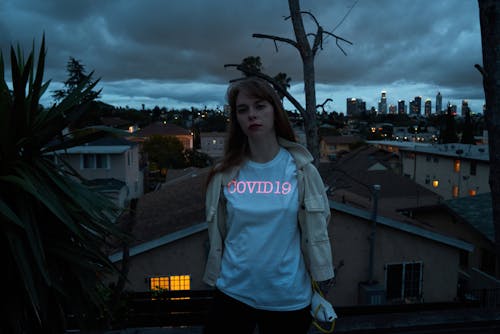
x: 172, y: 53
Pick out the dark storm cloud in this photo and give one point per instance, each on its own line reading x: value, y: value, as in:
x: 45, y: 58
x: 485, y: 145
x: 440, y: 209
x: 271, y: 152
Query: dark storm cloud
x: 161, y: 51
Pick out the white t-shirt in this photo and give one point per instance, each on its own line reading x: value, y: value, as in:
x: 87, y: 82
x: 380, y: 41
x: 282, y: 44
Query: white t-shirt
x: 262, y: 264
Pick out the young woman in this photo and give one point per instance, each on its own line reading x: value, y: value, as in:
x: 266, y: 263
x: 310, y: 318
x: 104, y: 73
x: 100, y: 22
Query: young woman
x: 267, y: 215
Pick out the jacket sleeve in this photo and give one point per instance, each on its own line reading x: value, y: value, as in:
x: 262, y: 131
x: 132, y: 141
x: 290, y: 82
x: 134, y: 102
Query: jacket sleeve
x: 213, y: 215
x: 317, y: 216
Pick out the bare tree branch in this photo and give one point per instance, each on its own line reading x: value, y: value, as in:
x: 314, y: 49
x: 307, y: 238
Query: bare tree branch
x: 308, y: 13
x: 481, y: 70
x: 277, y: 38
x: 318, y: 36
x: 273, y: 82
x: 322, y: 105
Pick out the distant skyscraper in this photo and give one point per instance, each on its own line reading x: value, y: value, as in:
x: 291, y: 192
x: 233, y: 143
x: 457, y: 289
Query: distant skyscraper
x: 452, y: 108
x: 465, y: 107
x: 392, y: 109
x: 382, y: 105
x: 417, y: 105
x: 428, y: 107
x: 401, y: 107
x: 355, y: 106
x: 439, y: 103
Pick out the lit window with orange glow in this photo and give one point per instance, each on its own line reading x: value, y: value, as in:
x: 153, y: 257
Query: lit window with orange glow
x: 435, y: 183
x: 456, y: 166
x: 455, y: 191
x: 181, y: 282
x: 159, y: 283
x: 472, y: 192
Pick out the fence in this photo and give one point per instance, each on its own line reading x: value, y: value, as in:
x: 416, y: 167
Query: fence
x: 488, y: 298
x: 190, y: 308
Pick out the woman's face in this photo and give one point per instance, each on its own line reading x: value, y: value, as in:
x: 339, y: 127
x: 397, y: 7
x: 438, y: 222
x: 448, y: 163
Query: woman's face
x: 255, y: 116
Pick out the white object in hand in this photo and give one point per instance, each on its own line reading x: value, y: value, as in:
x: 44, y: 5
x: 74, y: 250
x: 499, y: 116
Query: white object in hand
x: 321, y: 309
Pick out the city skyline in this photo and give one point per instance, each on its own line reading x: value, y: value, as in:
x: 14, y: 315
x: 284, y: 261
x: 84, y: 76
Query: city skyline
x: 173, y: 53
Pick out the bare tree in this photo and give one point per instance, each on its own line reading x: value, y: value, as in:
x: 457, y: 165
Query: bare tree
x: 489, y: 18
x: 307, y: 53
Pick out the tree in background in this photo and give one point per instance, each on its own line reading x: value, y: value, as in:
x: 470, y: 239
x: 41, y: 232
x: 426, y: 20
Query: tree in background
x: 53, y: 227
x: 251, y: 64
x: 448, y: 133
x: 489, y: 18
x: 165, y: 151
x: 283, y: 80
x: 468, y: 130
x: 76, y: 76
x: 198, y: 159
x: 308, y: 52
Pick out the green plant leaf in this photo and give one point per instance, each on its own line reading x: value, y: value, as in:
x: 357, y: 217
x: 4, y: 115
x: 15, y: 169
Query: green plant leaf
x: 29, y: 184
x: 10, y: 215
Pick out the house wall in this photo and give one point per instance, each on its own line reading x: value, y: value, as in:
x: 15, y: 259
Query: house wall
x: 447, y: 224
x: 351, y: 247
x: 186, y: 256
x: 431, y: 167
x: 186, y: 140
x: 123, y: 167
x: 133, y: 176
x: 213, y: 144
x: 327, y: 148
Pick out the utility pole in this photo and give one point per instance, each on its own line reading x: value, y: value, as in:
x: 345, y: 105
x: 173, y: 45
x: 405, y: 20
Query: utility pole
x: 375, y: 192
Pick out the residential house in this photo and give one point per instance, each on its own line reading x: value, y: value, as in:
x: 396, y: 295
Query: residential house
x: 407, y: 263
x: 469, y: 219
x: 213, y: 143
x: 165, y: 129
x: 450, y: 170
x: 170, y: 235
x: 330, y: 147
x: 111, y: 165
x: 411, y: 262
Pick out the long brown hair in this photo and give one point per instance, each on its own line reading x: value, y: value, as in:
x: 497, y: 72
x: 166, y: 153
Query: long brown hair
x: 236, y: 147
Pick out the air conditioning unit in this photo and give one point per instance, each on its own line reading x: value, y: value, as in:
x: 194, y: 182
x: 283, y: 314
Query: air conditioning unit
x: 371, y: 294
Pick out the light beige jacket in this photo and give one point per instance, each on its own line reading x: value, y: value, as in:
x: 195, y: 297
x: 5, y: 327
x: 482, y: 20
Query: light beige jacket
x: 313, y: 217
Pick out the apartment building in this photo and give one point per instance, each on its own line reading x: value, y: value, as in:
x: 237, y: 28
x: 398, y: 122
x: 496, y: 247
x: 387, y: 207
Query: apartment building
x: 450, y: 170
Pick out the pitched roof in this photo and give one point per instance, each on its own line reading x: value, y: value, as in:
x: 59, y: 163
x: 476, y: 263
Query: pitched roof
x: 475, y: 210
x: 178, y: 204
x: 161, y: 129
x: 105, y: 145
x: 408, y: 228
x: 366, y: 166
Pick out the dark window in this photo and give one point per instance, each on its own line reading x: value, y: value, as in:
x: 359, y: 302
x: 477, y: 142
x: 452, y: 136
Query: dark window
x: 412, y: 280
x: 487, y: 261
x: 404, y: 280
x: 101, y: 161
x: 394, y: 281
x: 473, y: 167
